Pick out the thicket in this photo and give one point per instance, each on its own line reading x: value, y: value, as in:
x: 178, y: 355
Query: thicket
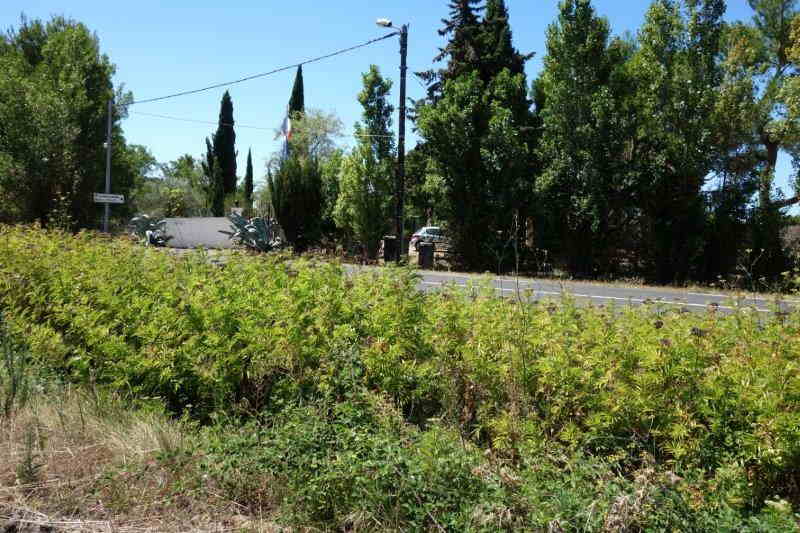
x: 355, y: 401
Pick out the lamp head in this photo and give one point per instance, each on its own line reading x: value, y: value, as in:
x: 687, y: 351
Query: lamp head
x: 386, y: 23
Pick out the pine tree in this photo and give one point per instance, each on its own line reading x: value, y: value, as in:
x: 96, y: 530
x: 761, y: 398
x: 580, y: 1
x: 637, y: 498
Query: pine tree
x: 475, y: 124
x: 297, y: 101
x: 463, y: 49
x: 496, y: 43
x: 225, y: 145
x: 248, y: 184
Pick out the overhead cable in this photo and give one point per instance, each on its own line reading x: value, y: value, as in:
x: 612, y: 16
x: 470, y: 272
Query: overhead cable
x: 262, y: 74
x: 196, y: 121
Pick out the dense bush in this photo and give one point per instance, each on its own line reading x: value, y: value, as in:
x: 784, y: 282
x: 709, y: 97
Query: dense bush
x: 363, y: 400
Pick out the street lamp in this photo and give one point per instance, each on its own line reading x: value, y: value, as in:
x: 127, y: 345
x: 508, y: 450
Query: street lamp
x: 401, y: 134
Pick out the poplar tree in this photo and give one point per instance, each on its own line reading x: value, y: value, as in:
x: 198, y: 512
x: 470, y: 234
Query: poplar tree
x: 677, y: 78
x: 363, y: 207
x: 584, y: 139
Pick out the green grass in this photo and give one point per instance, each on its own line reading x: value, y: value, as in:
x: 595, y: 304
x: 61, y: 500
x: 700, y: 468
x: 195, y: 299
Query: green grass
x: 358, y: 402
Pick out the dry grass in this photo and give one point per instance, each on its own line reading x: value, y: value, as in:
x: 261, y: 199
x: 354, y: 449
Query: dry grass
x: 77, y: 461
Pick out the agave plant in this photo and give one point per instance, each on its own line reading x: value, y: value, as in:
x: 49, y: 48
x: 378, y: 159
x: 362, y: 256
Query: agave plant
x: 257, y: 233
x: 150, y: 231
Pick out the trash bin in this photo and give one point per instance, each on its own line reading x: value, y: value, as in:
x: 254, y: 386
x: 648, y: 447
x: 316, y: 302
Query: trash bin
x: 389, y: 248
x: 425, y: 259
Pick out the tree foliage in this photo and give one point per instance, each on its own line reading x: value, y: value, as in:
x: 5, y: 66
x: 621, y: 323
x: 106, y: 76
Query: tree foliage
x: 475, y: 126
x: 315, y: 134
x: 54, y: 92
x: 248, y: 182
x: 224, y: 143
x: 213, y: 182
x: 363, y: 207
x: 295, y: 190
x: 584, y: 148
x: 677, y: 77
x: 297, y: 102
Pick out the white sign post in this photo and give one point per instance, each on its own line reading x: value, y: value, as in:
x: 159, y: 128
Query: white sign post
x: 101, y: 198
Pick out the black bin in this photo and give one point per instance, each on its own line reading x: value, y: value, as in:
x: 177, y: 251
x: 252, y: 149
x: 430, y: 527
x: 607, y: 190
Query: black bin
x: 425, y: 259
x: 389, y: 248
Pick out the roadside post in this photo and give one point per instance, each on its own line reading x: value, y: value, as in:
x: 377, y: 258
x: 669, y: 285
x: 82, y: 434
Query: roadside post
x: 400, y: 178
x: 108, y: 168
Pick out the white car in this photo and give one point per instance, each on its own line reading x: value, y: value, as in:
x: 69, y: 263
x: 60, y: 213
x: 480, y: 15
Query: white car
x: 432, y: 234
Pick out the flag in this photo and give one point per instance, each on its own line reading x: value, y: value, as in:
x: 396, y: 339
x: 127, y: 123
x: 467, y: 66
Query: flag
x: 286, y: 128
x: 286, y: 133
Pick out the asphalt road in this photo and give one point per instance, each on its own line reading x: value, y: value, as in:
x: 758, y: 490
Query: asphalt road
x: 607, y: 294
x: 531, y: 289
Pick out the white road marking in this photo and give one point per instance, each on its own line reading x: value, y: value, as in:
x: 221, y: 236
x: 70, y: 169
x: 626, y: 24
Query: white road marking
x: 744, y: 297
x: 598, y: 297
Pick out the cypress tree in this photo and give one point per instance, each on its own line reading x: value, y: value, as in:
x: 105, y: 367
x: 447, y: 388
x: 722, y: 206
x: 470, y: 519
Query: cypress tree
x: 297, y: 101
x: 213, y: 186
x: 225, y: 145
x: 248, y: 183
x: 295, y: 190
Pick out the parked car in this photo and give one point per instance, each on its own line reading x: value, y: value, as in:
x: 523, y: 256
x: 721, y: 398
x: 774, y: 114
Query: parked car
x: 432, y: 234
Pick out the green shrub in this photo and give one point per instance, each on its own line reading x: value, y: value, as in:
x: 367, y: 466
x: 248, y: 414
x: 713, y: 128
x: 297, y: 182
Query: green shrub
x: 712, y: 398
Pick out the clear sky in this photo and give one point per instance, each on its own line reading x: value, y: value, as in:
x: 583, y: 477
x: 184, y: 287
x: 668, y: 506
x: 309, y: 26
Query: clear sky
x: 165, y: 46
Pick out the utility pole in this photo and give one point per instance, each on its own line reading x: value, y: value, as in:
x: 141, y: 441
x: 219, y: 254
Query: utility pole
x: 108, y: 163
x: 401, y: 144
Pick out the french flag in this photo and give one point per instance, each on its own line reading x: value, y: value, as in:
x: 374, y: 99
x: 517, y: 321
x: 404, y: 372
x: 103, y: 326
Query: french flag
x: 286, y: 128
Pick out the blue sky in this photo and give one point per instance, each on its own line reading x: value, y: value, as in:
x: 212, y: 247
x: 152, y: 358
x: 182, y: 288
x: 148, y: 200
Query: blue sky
x: 161, y: 47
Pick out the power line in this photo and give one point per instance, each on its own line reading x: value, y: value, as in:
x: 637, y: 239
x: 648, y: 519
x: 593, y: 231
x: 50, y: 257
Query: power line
x: 208, y: 122
x: 180, y: 119
x: 261, y: 75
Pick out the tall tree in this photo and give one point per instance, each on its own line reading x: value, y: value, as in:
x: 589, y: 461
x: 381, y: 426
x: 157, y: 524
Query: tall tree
x: 314, y: 134
x: 476, y: 146
x: 474, y: 124
x: 54, y: 92
x: 377, y: 114
x: 363, y: 206
x: 497, y: 46
x: 463, y: 49
x: 225, y: 145
x: 584, y: 139
x: 248, y: 183
x: 213, y: 186
x: 760, y: 62
x: 297, y: 102
x: 677, y: 79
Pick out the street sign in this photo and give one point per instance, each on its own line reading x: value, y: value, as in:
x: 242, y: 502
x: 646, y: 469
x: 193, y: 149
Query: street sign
x: 100, y: 198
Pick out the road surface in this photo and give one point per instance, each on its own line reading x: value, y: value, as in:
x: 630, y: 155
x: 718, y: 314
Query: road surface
x: 606, y: 294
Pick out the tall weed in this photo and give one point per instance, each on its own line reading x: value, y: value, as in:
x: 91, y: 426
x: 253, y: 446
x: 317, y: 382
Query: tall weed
x: 711, y: 398
x: 15, y: 373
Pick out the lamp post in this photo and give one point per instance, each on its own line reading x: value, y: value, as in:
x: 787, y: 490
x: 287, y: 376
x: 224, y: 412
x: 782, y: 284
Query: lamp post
x: 400, y: 184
